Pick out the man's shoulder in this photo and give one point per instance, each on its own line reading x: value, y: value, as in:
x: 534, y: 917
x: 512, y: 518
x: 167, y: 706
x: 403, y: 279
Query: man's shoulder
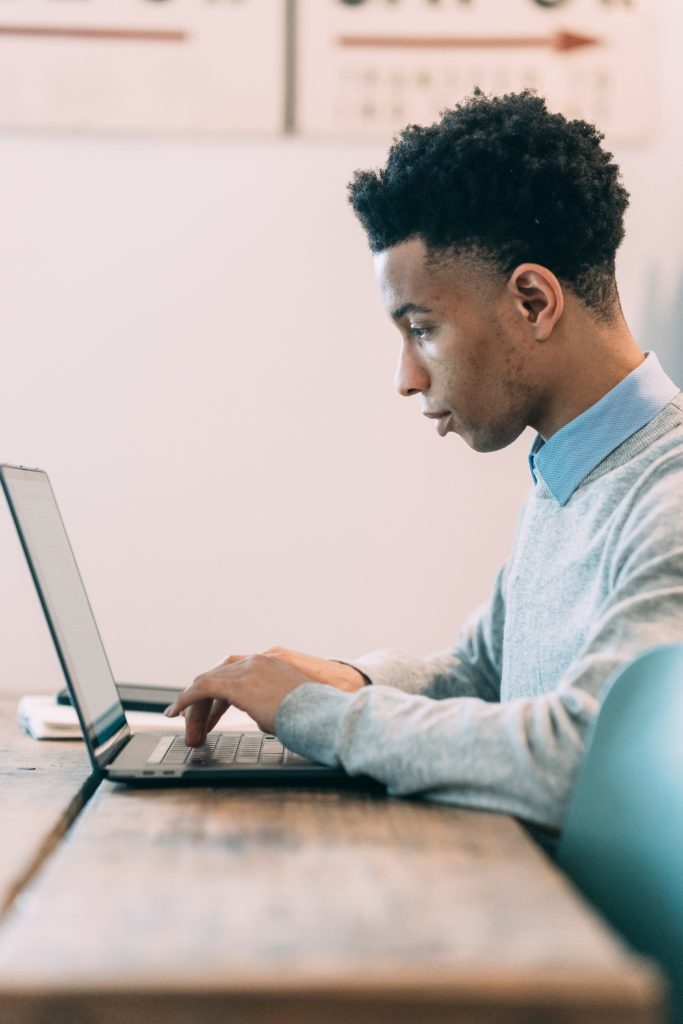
x: 654, y: 451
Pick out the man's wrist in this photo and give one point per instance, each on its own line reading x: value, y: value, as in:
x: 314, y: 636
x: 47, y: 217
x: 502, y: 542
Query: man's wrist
x: 367, y: 681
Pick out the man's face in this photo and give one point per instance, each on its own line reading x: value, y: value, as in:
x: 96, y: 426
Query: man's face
x: 463, y: 348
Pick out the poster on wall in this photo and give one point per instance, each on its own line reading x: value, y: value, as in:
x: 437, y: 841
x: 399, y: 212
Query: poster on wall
x: 143, y: 65
x: 366, y: 68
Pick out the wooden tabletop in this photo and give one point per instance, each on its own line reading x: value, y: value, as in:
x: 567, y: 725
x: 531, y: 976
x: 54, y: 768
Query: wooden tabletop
x: 290, y: 905
x: 44, y: 786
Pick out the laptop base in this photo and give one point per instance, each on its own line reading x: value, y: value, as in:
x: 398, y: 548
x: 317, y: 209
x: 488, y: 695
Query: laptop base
x: 134, y: 764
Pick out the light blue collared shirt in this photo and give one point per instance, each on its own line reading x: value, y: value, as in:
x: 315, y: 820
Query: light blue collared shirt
x: 566, y: 458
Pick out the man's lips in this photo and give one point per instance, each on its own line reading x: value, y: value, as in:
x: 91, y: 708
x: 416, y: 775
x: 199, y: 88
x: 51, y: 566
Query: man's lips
x: 443, y: 419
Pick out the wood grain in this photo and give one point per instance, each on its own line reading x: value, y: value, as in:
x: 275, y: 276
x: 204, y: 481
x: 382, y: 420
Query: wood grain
x: 283, y: 905
x: 43, y: 786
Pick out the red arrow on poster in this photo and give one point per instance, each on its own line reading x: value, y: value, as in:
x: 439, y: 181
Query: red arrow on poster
x: 144, y: 35
x: 562, y: 41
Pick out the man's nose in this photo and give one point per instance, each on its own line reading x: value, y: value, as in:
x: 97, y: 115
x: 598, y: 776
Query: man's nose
x: 410, y: 378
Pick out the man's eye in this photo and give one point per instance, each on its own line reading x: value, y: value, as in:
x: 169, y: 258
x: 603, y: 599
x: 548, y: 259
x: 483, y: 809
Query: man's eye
x: 419, y: 332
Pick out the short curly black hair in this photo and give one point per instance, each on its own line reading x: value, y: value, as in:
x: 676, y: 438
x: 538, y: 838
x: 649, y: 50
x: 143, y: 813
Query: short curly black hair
x: 504, y: 179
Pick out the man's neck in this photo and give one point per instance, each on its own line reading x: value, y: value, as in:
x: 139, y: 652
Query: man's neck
x: 586, y: 367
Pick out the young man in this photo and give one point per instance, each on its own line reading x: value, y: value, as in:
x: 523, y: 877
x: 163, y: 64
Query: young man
x: 494, y: 233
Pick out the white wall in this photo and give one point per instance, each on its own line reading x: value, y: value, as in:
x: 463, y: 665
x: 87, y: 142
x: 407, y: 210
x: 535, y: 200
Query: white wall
x: 193, y: 348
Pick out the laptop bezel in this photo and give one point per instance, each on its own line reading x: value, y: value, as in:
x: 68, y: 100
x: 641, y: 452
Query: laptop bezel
x: 103, y: 754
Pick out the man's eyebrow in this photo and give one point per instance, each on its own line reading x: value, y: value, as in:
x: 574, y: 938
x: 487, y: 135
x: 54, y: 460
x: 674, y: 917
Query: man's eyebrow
x: 408, y: 307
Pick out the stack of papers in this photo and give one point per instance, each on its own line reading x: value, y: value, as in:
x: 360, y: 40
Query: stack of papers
x: 44, y: 719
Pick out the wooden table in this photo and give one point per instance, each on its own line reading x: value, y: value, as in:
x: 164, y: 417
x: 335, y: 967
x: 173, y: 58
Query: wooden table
x: 44, y: 786
x: 284, y: 906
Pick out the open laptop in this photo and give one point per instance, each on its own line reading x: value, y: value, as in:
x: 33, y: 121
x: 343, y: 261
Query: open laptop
x: 116, y: 752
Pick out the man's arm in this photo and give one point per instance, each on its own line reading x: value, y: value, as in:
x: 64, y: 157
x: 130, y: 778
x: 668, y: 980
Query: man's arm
x: 472, y: 668
x: 258, y: 683
x: 519, y: 757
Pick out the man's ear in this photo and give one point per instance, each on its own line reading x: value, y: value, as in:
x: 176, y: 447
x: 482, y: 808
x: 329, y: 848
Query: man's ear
x: 537, y: 297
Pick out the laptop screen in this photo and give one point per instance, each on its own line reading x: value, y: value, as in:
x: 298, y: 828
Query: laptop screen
x: 65, y: 603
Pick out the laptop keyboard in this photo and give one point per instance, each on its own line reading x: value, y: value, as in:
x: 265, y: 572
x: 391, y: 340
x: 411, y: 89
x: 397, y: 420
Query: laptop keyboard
x: 248, y: 748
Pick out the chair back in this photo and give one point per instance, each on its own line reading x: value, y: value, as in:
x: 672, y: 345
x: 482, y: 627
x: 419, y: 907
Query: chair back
x: 622, y: 842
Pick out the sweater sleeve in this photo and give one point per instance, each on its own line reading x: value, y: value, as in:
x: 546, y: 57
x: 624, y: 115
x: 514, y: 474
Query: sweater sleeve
x: 519, y: 757
x: 470, y: 668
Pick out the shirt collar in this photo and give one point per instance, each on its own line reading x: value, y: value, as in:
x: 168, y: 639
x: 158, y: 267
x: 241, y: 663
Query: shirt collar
x: 566, y: 458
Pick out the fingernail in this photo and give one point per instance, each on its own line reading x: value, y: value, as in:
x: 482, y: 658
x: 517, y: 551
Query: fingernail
x: 169, y: 711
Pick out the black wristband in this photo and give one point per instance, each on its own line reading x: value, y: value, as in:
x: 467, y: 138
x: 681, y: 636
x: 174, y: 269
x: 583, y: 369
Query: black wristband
x: 367, y: 681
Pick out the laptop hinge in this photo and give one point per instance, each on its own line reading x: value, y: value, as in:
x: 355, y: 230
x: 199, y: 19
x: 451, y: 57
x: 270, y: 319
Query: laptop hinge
x: 113, y: 746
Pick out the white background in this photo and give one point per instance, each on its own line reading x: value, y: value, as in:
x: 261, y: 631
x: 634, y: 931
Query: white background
x: 192, y: 346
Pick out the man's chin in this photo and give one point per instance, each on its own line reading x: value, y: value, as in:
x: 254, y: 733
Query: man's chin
x: 487, y: 437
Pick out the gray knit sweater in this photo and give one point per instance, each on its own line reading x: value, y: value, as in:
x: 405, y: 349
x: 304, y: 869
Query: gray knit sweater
x: 498, y: 721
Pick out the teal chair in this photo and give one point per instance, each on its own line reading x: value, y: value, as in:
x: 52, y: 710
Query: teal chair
x: 622, y: 842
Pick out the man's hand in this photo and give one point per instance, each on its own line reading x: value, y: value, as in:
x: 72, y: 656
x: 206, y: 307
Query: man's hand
x: 321, y: 670
x: 256, y: 684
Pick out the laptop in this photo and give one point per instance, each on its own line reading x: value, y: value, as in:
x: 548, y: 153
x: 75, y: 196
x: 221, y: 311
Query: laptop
x: 116, y: 752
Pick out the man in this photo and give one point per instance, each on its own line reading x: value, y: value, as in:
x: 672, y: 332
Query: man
x: 494, y: 233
